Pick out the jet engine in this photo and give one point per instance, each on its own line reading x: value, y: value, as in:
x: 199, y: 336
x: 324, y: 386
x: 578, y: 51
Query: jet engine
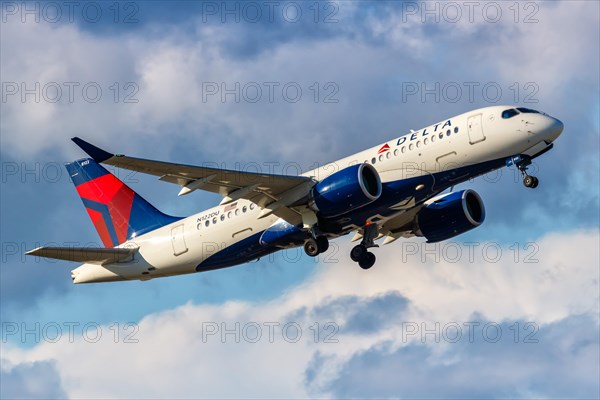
x: 450, y: 215
x: 345, y: 191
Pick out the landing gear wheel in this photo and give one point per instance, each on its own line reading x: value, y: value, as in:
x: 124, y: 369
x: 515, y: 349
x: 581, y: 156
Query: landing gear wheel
x: 536, y: 182
x: 311, y: 247
x: 322, y: 243
x: 367, y: 261
x: 530, y: 181
x: 358, y: 253
x: 522, y: 164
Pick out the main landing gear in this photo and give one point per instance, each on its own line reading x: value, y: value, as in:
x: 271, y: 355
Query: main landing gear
x: 528, y: 180
x: 316, y: 245
x: 360, y: 254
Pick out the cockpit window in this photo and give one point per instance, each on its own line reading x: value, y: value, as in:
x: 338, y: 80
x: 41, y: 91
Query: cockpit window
x: 511, y: 112
x: 528, y: 110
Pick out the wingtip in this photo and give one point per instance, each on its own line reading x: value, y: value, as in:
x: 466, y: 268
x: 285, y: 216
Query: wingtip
x: 96, y: 153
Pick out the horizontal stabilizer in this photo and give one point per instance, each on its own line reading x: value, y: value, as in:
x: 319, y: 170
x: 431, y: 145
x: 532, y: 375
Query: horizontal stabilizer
x: 88, y: 255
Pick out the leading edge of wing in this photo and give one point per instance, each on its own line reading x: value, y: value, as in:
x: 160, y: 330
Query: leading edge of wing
x: 159, y: 168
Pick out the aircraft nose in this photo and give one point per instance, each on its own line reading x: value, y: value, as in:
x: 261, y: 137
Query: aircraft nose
x: 554, y: 128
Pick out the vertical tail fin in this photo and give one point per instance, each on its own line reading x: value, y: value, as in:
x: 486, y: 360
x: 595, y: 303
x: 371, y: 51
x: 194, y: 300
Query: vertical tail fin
x: 117, y: 212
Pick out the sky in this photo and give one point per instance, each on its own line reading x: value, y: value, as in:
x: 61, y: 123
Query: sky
x: 508, y: 310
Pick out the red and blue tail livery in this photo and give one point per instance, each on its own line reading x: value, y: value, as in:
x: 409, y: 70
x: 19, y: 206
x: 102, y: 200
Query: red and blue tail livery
x: 118, y: 213
x: 402, y: 188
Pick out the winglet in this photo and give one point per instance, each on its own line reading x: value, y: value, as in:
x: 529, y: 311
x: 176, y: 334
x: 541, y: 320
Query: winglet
x: 96, y: 153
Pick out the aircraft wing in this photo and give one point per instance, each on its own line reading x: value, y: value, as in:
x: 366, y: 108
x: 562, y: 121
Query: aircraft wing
x: 399, y: 226
x: 266, y: 190
x: 89, y: 255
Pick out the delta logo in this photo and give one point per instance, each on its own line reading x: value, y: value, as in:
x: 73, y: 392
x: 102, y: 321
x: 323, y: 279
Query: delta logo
x: 384, y: 148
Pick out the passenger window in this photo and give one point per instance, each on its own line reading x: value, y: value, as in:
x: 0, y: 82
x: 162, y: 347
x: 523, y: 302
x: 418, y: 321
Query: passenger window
x: 456, y: 129
x: 222, y: 217
x: 244, y: 209
x: 404, y: 149
x: 252, y: 206
x: 207, y: 223
x: 229, y: 214
x: 410, y: 147
x: 388, y: 154
x: 448, y: 132
x: 373, y: 160
x: 214, y: 220
x: 425, y: 141
x: 441, y: 135
x: 418, y: 143
x: 237, y: 211
x: 381, y: 157
x: 396, y: 152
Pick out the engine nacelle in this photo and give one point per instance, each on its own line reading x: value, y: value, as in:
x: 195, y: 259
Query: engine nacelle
x: 346, y: 190
x: 450, y: 215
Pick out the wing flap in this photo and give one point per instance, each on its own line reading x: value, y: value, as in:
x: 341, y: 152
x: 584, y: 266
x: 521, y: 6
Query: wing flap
x: 99, y: 256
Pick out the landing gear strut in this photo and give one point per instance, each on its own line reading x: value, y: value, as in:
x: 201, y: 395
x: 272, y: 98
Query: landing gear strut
x: 528, y: 180
x: 360, y: 254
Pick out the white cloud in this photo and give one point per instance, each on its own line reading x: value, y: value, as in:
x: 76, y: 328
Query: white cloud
x: 552, y: 50
x: 372, y: 309
x: 30, y: 381
x: 170, y: 67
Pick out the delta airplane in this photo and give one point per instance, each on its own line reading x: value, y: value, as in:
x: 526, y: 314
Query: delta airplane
x: 395, y: 189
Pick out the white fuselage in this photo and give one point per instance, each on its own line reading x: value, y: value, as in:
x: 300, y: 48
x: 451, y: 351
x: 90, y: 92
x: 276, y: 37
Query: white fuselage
x: 467, y: 139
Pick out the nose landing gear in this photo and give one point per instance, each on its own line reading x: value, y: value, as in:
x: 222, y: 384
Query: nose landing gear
x: 528, y: 180
x: 522, y: 162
